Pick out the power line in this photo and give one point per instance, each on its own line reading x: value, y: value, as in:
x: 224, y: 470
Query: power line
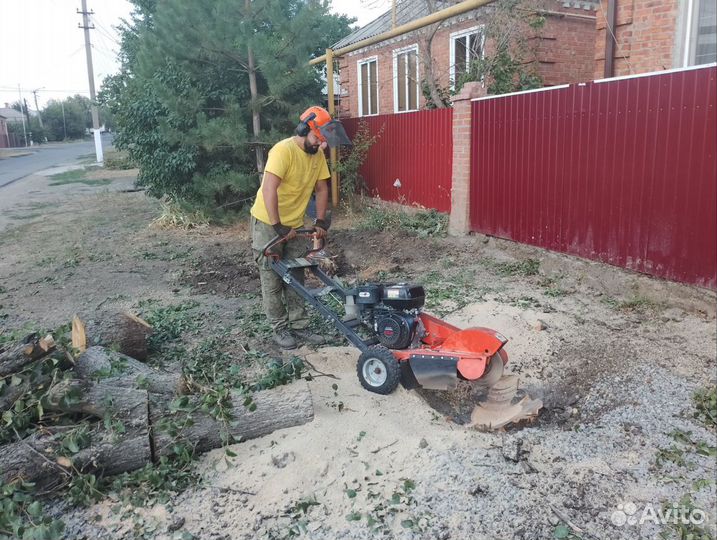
x: 14, y: 89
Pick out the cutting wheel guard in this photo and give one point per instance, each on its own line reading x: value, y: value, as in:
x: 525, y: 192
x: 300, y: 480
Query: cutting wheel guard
x: 449, y: 353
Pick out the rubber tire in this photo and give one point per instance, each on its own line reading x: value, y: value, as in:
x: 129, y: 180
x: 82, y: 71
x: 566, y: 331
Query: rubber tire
x: 393, y: 370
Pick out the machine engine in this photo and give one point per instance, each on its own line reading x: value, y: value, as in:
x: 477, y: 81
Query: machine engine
x: 392, y: 311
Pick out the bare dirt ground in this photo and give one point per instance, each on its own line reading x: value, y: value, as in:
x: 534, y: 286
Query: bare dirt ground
x: 615, y: 356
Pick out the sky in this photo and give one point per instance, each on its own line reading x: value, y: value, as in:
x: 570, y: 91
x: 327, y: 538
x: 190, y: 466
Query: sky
x: 42, y: 48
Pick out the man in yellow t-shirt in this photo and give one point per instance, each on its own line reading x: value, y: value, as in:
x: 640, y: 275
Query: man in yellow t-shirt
x: 295, y: 169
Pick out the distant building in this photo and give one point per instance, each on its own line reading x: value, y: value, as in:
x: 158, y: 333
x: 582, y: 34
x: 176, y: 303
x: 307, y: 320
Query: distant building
x: 387, y: 77
x: 10, y: 114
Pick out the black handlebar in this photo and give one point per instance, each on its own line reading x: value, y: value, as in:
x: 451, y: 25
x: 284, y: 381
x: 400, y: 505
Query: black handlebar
x: 308, y: 233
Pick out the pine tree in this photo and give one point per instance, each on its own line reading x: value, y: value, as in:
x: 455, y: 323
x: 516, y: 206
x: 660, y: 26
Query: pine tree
x: 206, y: 87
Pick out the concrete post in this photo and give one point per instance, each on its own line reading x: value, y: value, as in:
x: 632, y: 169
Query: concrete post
x: 460, y: 219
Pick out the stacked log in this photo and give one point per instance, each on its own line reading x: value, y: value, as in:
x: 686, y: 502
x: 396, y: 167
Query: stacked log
x: 125, y: 403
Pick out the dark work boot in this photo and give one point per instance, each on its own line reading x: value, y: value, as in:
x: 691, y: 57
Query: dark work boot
x: 284, y: 339
x: 307, y: 336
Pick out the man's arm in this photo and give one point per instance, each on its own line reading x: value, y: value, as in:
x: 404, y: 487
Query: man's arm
x: 269, y: 187
x: 322, y: 198
x: 322, y: 201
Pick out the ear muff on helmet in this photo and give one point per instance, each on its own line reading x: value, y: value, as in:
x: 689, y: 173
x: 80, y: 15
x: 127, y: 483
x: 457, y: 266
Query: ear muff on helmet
x: 303, y: 128
x: 317, y: 120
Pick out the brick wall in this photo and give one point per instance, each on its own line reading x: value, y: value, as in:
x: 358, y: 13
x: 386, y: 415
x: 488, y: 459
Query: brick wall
x: 645, y: 30
x: 566, y: 47
x: 440, y: 52
x: 564, y: 53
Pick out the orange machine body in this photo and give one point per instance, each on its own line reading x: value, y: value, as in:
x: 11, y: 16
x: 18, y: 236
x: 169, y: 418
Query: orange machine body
x: 473, y: 347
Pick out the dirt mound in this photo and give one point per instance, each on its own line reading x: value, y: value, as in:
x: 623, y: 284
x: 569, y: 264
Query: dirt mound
x: 224, y: 275
x: 368, y: 255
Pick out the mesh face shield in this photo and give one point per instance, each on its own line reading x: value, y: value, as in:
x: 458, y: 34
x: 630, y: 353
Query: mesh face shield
x: 334, y: 134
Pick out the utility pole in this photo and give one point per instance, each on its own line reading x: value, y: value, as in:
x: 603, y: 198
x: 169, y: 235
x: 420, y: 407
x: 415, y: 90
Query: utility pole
x: 91, y: 75
x: 39, y: 116
x: 23, y: 116
x: 27, y: 114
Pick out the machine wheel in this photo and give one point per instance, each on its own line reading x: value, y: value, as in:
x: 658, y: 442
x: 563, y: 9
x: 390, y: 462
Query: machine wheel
x: 378, y: 370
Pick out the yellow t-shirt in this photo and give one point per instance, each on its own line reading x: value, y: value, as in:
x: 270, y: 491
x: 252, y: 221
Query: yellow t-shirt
x: 299, y: 173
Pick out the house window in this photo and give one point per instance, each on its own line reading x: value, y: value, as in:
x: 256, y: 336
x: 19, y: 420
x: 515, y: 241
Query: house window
x: 405, y: 79
x: 466, y: 48
x: 703, y: 39
x: 368, y: 86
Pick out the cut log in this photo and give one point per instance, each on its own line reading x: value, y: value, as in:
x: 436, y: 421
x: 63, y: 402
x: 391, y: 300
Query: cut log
x: 128, y: 405
x: 122, y: 331
x: 121, y: 370
x: 15, y: 357
x: 279, y: 408
x: 39, y: 458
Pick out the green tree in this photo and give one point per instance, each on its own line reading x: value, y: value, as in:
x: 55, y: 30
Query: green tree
x: 206, y: 87
x: 76, y: 119
x: 37, y: 132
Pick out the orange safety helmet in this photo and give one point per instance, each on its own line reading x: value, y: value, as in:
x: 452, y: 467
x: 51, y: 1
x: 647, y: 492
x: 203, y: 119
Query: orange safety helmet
x: 318, y: 120
x: 313, y: 118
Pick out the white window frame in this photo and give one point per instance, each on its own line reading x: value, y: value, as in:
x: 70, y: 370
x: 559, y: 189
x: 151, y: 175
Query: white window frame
x: 396, y: 53
x: 479, y: 29
x: 691, y: 32
x: 359, y: 63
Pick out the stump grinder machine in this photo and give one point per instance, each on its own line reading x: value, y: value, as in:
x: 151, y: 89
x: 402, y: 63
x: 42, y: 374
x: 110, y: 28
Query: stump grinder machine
x: 401, y: 343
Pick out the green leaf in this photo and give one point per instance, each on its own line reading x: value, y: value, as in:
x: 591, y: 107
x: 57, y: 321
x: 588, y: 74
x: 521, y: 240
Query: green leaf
x: 351, y: 493
x: 229, y: 453
x: 252, y: 407
x: 561, y: 531
x: 15, y: 381
x: 353, y: 516
x: 407, y: 523
x: 408, y: 485
x: 35, y: 509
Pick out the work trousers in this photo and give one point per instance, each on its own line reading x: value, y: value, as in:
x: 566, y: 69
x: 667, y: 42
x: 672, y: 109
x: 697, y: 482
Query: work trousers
x: 284, y: 309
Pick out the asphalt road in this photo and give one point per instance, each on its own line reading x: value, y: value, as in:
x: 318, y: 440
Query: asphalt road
x: 46, y: 156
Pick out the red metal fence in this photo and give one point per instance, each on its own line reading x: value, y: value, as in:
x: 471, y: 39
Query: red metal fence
x: 622, y: 171
x: 414, y: 148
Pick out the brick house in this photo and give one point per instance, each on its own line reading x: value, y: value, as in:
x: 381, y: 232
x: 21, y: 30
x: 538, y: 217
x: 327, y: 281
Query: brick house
x: 386, y: 77
x: 653, y: 35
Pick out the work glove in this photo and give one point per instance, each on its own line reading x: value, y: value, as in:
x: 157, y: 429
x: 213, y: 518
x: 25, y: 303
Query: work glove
x: 321, y: 226
x: 284, y: 231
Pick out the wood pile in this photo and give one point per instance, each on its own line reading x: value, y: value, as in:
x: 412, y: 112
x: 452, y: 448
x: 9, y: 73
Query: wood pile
x: 123, y: 405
